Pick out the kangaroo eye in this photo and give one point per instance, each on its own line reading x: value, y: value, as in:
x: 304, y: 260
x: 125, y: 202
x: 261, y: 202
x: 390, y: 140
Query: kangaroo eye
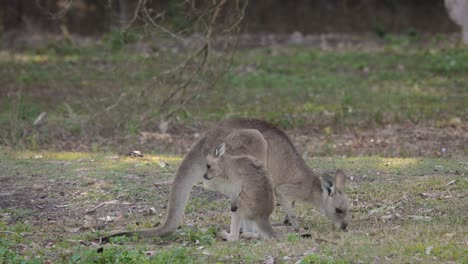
x: 338, y: 211
x: 208, y: 166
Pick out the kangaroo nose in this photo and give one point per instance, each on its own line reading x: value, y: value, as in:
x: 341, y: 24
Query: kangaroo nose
x: 344, y: 227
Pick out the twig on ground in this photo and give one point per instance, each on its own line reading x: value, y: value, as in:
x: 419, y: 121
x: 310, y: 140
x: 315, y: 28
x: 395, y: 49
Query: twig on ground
x: 22, y: 233
x: 92, y: 210
x: 163, y: 183
x: 321, y: 240
x: 362, y: 220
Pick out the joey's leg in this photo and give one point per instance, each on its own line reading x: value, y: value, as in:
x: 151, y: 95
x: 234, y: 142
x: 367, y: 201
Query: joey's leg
x: 281, y: 192
x: 235, y: 228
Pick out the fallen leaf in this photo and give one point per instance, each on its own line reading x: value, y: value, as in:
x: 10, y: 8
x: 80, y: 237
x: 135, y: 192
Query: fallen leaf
x: 136, y: 153
x: 110, y: 218
x: 163, y: 164
x: 428, y: 250
x: 449, y: 235
x: 419, y: 217
x: 149, y: 211
x: 72, y: 230
x: 269, y: 260
x: 452, y: 182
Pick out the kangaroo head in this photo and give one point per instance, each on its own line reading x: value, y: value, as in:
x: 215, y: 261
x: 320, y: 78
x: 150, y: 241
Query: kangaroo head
x: 334, y: 202
x: 213, y: 166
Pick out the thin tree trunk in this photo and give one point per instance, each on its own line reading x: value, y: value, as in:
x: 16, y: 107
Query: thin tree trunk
x: 123, y: 7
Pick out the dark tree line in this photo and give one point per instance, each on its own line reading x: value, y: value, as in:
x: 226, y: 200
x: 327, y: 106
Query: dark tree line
x: 91, y: 17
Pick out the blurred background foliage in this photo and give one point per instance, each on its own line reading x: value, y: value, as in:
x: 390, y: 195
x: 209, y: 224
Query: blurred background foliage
x: 82, y: 74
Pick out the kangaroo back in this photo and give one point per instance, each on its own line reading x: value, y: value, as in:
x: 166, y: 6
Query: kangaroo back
x: 247, y: 142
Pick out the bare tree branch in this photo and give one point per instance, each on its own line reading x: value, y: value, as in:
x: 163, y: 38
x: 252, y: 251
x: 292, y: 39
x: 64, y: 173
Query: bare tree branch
x: 135, y: 15
x: 203, y: 51
x: 151, y: 20
x: 60, y: 13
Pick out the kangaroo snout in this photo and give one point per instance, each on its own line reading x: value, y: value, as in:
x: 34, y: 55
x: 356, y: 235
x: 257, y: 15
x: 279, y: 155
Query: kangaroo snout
x: 206, y: 176
x: 344, y: 227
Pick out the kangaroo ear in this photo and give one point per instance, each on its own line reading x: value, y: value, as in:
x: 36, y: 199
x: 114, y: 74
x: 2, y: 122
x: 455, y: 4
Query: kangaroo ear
x: 340, y: 180
x: 220, y: 150
x: 328, y: 184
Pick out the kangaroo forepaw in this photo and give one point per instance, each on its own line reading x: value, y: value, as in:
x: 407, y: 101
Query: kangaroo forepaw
x: 227, y: 236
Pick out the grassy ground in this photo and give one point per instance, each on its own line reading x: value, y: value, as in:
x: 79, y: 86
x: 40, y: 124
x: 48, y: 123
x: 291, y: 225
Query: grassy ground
x: 392, y: 113
x: 111, y: 91
x: 404, y: 210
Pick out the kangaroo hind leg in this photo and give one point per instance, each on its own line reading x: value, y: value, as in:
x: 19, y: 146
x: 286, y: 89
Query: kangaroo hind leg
x: 265, y: 229
x: 235, y: 228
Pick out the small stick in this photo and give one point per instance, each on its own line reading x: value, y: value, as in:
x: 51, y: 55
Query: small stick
x: 88, y: 211
x: 163, y: 183
x: 21, y: 234
x: 362, y: 220
x: 321, y: 240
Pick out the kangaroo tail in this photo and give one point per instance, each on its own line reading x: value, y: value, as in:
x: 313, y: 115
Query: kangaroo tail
x: 191, y: 170
x: 150, y: 232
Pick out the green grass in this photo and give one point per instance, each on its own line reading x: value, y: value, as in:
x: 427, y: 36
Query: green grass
x: 45, y: 196
x: 103, y: 95
x: 399, y: 80
x: 352, y: 86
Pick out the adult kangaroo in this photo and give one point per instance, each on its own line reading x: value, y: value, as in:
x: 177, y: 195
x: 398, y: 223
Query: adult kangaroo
x: 292, y: 179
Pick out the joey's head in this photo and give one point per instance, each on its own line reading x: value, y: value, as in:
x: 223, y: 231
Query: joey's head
x: 334, y: 202
x: 214, y: 162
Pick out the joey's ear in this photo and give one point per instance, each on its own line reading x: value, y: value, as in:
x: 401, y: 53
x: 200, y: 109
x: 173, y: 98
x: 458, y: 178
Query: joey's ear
x: 328, y: 184
x: 220, y: 150
x: 340, y: 180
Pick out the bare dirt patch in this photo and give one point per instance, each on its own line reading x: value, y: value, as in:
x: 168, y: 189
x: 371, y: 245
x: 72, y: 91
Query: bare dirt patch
x: 407, y: 140
x: 394, y: 140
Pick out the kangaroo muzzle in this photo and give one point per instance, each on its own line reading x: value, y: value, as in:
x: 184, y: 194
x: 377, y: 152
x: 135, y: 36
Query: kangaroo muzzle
x: 344, y: 227
x: 205, y: 176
